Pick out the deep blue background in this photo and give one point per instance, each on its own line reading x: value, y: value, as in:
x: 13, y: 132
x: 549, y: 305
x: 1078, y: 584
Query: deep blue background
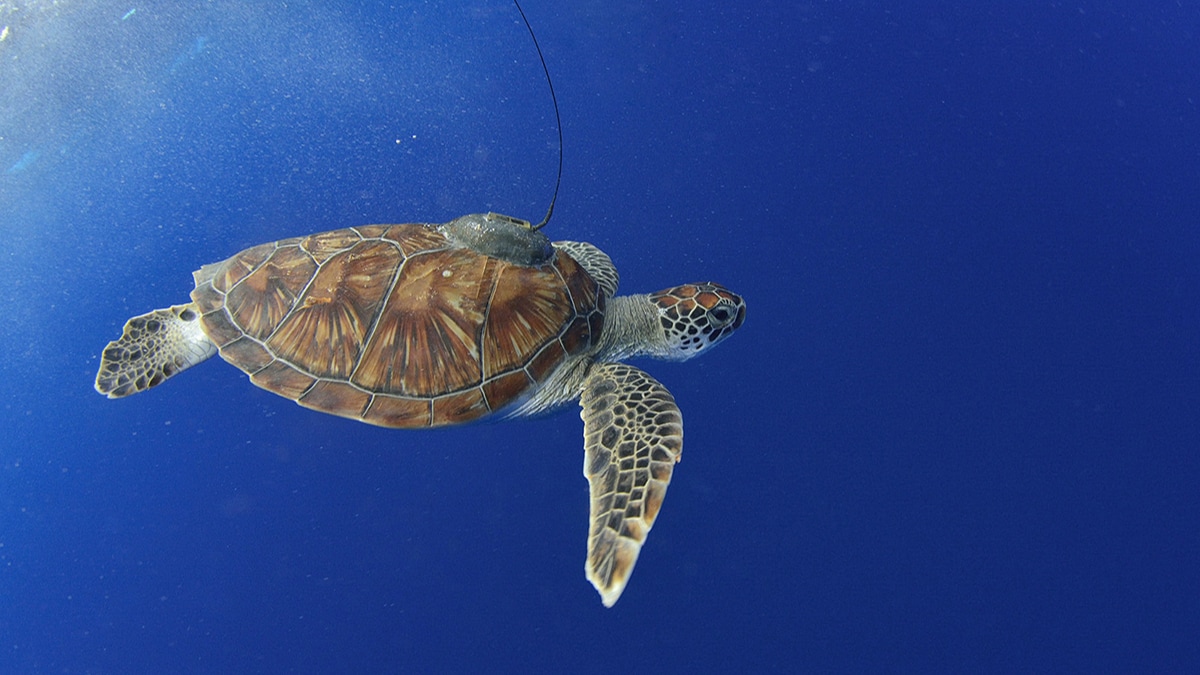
x: 958, y: 432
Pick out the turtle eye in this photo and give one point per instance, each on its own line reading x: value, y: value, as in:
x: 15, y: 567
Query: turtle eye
x: 721, y: 315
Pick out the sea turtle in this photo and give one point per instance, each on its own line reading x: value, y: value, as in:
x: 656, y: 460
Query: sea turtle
x: 424, y: 325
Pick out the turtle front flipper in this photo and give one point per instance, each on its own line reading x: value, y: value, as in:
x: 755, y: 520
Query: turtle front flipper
x: 597, y: 263
x: 633, y: 436
x: 152, y: 348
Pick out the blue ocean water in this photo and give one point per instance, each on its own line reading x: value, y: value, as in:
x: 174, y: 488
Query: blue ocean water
x: 957, y: 433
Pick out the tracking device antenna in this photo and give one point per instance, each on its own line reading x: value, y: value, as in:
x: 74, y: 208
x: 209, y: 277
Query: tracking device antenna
x: 557, y: 118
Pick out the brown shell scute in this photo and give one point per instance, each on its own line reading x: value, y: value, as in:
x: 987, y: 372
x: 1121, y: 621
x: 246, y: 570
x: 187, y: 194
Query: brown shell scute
x: 260, y: 300
x: 322, y: 246
x: 391, y: 325
x: 328, y: 325
x: 426, y: 342
x: 529, y: 305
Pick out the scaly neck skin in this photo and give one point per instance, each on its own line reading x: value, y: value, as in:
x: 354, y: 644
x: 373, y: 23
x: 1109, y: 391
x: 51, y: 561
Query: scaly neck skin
x: 631, y: 328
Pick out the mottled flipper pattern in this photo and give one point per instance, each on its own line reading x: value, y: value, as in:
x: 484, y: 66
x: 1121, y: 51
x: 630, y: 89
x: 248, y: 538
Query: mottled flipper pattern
x: 152, y: 348
x: 597, y: 263
x: 633, y: 436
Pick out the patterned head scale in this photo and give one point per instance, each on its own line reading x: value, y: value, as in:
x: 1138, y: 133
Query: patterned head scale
x: 695, y: 317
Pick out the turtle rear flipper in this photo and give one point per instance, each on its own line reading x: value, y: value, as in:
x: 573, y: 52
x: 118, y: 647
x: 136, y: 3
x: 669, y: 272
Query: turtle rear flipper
x: 633, y: 436
x: 152, y: 348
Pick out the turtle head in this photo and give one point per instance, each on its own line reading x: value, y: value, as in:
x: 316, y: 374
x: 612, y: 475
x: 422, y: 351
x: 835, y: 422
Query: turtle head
x: 695, y: 317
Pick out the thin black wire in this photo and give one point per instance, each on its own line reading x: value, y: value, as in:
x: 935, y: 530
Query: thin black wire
x: 557, y: 119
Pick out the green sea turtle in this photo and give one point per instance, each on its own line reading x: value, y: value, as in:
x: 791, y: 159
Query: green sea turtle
x: 423, y: 325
